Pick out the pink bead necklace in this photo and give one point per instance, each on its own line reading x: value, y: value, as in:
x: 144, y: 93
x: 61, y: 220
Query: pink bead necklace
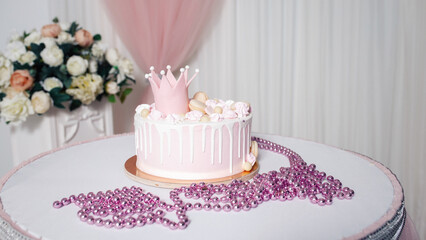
x: 131, y: 207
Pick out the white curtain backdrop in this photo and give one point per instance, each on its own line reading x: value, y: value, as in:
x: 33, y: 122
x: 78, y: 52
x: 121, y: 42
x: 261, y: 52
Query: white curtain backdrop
x: 345, y: 73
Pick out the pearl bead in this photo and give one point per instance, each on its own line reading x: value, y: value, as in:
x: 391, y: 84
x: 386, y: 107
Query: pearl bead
x: 90, y: 220
x: 57, y: 204
x: 99, y: 222
x: 173, y: 226
x: 198, y: 206
x: 118, y: 225
x: 140, y: 222
x: 108, y: 223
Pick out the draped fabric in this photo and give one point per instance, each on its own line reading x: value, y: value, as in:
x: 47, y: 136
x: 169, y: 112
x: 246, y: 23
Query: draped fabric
x: 346, y: 73
x: 161, y: 32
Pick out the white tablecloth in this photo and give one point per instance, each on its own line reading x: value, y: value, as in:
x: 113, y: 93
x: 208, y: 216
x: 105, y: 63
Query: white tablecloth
x: 27, y: 196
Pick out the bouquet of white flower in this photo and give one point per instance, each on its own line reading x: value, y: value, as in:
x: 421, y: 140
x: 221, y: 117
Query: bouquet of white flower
x: 61, y: 63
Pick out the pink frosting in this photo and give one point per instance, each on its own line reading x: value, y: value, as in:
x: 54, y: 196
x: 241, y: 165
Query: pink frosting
x: 229, y: 114
x: 156, y: 115
x: 242, y: 109
x: 216, y: 117
x: 194, y: 115
x: 211, y: 103
x: 209, y: 110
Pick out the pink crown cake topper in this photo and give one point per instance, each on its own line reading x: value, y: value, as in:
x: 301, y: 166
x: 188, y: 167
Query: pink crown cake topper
x: 171, y: 95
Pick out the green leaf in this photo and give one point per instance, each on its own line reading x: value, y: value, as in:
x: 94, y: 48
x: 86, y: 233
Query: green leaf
x: 63, y: 69
x: 2, y: 95
x: 55, y: 20
x: 18, y: 66
x: 67, y: 48
x: 58, y: 105
x: 25, y: 35
x: 73, y: 28
x: 67, y: 82
x: 75, y: 104
x: 58, y: 97
x: 37, y: 87
x: 130, y: 79
x: 124, y: 94
x: 97, y: 37
x: 33, y: 72
x: 55, y: 91
x: 103, y: 69
x: 123, y: 83
x: 111, y: 98
x: 37, y: 48
x: 46, y: 72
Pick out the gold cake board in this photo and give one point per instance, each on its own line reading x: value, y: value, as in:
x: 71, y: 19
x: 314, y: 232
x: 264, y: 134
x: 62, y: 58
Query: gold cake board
x: 142, y: 177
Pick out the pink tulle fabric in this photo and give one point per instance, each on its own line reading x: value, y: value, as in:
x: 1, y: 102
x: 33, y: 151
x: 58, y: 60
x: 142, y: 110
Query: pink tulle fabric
x: 161, y: 32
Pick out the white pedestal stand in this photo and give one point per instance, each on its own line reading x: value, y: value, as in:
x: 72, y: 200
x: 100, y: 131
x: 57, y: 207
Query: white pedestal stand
x: 59, y: 127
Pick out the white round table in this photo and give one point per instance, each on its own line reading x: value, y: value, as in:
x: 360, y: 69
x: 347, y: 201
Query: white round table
x: 27, y: 194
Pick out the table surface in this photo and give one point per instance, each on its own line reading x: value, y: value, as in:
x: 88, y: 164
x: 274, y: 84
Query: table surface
x: 28, y: 194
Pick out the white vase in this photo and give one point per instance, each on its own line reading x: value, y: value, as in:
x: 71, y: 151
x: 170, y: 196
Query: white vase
x: 59, y: 127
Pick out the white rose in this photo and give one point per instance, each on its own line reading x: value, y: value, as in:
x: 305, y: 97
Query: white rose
x: 34, y: 37
x: 6, y: 70
x: 14, y: 36
x: 65, y: 26
x: 48, y: 42
x: 16, y: 110
x: 112, y: 87
x: 51, y: 83
x: 14, y: 50
x: 93, y: 66
x: 98, y: 84
x: 98, y: 49
x: 41, y: 102
x: 76, y: 65
x: 27, y: 57
x: 112, y: 56
x: 86, y: 87
x: 52, y: 56
x: 11, y: 92
x: 125, y: 67
x: 65, y: 37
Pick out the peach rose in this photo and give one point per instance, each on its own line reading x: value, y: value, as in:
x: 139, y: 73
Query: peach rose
x: 50, y: 30
x: 83, y: 38
x: 21, y: 80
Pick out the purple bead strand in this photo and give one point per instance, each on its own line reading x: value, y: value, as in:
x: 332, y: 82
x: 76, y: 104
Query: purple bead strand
x: 131, y: 207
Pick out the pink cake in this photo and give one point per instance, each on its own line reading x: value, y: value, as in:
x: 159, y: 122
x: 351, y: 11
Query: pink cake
x: 192, y: 139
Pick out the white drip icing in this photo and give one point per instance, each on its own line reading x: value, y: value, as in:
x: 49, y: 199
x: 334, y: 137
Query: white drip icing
x: 145, y: 142
x: 179, y: 131
x: 244, y: 144
x: 220, y: 144
x: 169, y: 140
x: 213, y: 131
x: 150, y: 138
x: 191, y: 143
x: 203, y: 136
x: 145, y: 136
x: 248, y: 139
x: 161, y: 147
x: 137, y: 140
x: 239, y: 140
x: 140, y: 139
x: 230, y: 127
